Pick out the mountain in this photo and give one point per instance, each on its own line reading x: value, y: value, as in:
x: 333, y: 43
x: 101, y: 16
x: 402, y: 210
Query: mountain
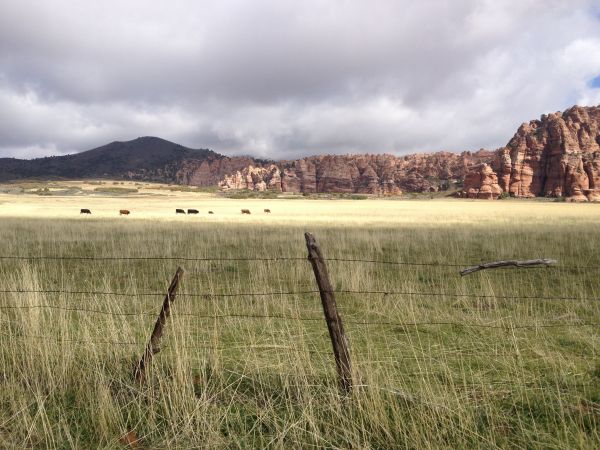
x: 155, y: 159
x: 144, y: 158
x: 555, y: 156
x: 366, y: 174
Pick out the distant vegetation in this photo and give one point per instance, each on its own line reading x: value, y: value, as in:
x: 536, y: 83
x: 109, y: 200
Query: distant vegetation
x: 149, y: 158
x: 115, y: 190
x: 244, y: 193
x: 183, y: 188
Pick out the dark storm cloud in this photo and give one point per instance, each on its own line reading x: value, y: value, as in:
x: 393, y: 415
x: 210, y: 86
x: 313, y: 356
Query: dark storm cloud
x: 285, y: 78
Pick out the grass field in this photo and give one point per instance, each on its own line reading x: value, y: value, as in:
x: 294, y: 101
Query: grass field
x: 504, y: 358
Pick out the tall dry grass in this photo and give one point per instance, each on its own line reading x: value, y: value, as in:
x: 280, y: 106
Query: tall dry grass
x: 473, y: 378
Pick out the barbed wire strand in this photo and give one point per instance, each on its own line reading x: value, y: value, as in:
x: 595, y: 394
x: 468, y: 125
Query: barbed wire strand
x: 306, y: 292
x: 144, y: 294
x: 380, y: 360
x: 287, y: 317
x: 271, y: 259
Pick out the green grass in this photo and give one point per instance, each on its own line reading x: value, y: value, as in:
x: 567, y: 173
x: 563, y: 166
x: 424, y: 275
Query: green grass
x: 247, y: 382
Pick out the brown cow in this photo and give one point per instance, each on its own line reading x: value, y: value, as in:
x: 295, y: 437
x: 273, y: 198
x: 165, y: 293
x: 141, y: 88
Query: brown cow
x: 84, y: 211
x: 124, y: 212
x: 210, y: 212
x: 267, y: 211
x: 245, y: 211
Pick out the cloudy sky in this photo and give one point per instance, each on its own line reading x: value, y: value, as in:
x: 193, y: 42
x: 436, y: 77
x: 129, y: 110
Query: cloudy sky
x: 287, y: 78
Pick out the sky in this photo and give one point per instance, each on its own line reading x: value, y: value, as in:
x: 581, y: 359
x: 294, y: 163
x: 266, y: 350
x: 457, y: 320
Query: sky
x: 285, y: 78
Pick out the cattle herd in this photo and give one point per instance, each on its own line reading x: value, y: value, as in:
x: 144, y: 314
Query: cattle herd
x: 126, y: 212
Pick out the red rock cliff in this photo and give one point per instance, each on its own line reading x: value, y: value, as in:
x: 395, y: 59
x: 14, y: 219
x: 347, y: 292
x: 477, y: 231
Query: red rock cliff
x: 556, y: 156
x: 210, y: 171
x: 368, y: 174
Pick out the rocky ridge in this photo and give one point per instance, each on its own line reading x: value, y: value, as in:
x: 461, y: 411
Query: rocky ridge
x: 555, y: 156
x: 364, y: 174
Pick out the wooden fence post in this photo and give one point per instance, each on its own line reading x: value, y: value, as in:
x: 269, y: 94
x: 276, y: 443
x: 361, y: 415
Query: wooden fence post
x: 334, y: 322
x: 153, y: 346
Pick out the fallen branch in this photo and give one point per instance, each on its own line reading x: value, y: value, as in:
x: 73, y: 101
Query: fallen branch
x: 512, y: 262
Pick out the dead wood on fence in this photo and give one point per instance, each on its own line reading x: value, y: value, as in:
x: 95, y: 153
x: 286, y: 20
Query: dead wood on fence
x: 508, y: 263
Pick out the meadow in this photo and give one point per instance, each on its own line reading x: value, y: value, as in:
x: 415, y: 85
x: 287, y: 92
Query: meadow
x: 500, y: 358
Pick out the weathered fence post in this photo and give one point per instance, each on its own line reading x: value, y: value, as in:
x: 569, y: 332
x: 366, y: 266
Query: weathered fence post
x: 153, y: 346
x: 334, y: 322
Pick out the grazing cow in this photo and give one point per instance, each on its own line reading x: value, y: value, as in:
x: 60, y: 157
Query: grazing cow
x: 124, y: 212
x: 267, y: 211
x: 192, y: 211
x: 210, y: 212
x: 245, y: 211
x: 179, y: 211
x: 84, y: 211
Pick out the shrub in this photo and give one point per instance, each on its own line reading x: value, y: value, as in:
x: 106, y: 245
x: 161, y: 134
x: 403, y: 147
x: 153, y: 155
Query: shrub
x: 115, y: 190
x: 245, y: 193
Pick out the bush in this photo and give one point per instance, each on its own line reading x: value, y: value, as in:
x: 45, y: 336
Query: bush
x: 44, y: 191
x: 245, y: 193
x: 115, y: 190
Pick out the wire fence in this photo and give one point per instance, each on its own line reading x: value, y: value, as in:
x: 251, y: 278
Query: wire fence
x: 382, y: 294
x: 307, y: 319
x: 203, y: 295
x: 263, y: 259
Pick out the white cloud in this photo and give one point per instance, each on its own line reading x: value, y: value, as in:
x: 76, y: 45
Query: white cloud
x: 283, y: 78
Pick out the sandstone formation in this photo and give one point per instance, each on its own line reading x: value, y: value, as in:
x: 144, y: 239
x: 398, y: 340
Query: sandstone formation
x: 556, y: 156
x: 208, y: 171
x: 364, y: 174
x: 482, y: 183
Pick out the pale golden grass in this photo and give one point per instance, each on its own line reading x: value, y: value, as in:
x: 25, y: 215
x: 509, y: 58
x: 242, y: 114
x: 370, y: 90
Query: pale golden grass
x: 224, y: 380
x: 154, y: 202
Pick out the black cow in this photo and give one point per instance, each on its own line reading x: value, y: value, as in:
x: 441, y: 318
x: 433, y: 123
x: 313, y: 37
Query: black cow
x: 84, y: 211
x: 192, y: 211
x: 179, y: 211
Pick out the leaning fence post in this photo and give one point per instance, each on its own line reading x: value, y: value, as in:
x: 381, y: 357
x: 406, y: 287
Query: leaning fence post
x: 334, y: 321
x: 153, y: 346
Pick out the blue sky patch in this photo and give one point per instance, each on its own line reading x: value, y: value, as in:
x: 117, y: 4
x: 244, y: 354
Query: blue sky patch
x: 595, y: 82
